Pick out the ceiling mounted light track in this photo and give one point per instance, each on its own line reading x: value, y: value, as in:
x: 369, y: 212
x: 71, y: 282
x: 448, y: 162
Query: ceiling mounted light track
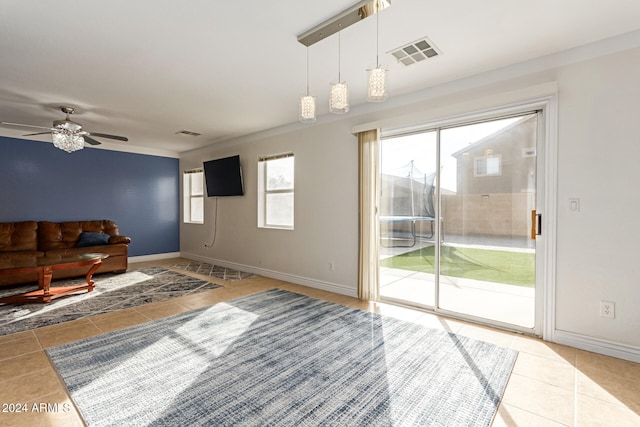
x: 344, y: 19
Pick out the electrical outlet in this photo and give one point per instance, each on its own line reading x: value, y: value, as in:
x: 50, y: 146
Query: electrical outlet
x: 608, y: 309
x: 332, y: 266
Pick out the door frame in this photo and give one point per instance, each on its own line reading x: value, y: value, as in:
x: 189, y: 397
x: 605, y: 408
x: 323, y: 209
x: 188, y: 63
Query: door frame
x: 546, y: 204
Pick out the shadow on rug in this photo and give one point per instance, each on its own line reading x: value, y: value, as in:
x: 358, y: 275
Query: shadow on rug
x: 112, y: 292
x: 278, y: 358
x: 216, y: 271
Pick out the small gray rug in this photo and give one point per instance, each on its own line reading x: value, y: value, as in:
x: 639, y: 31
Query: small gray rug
x: 112, y: 292
x: 278, y: 358
x: 216, y: 271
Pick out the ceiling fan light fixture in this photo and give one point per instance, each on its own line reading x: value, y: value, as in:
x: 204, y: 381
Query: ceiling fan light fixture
x: 67, y: 141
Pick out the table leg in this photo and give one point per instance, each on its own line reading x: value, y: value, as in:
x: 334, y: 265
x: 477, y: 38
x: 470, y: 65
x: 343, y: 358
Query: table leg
x: 89, y: 275
x: 44, y: 280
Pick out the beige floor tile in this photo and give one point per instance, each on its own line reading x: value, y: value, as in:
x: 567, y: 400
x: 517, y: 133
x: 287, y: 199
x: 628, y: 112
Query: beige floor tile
x: 16, y: 336
x: 493, y: 336
x: 614, y: 391
x: 510, y: 416
x: 158, y: 310
x: 545, y: 400
x: 594, y: 412
x: 606, y: 378
x: 548, y: 350
x: 119, y: 320
x: 22, y: 364
x: 60, y: 326
x: 55, y: 409
x: 27, y: 343
x: 31, y: 386
x: 548, y: 371
x: 51, y: 336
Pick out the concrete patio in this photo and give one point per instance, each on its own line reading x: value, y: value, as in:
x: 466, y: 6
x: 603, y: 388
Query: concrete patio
x: 496, y: 301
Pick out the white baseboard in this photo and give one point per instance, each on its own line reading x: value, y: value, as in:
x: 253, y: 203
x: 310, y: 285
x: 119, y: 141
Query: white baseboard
x: 597, y: 345
x: 154, y: 257
x: 298, y: 280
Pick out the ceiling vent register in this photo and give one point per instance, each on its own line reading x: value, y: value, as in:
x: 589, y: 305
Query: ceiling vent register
x: 415, y: 52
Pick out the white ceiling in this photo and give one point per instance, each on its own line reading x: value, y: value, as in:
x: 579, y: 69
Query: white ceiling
x: 146, y: 69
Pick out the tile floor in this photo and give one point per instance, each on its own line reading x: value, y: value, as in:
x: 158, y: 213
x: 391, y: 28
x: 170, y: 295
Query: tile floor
x: 551, y: 385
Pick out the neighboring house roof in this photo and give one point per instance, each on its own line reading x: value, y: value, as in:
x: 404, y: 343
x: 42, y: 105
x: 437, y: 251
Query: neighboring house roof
x: 489, y: 138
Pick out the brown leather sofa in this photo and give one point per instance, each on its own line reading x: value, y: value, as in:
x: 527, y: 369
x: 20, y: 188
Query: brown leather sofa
x: 44, y: 238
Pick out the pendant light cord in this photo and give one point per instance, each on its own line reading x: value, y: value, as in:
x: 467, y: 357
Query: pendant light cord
x: 307, y: 70
x: 339, y: 80
x: 377, y: 32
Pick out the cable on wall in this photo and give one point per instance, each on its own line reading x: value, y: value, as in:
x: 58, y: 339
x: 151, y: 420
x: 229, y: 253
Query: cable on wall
x: 215, y: 226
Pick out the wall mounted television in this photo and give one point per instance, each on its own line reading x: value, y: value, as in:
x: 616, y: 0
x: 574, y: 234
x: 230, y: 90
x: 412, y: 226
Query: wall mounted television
x: 223, y: 177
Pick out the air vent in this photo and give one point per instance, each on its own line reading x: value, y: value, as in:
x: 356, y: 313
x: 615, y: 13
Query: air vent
x: 187, y: 133
x: 415, y: 52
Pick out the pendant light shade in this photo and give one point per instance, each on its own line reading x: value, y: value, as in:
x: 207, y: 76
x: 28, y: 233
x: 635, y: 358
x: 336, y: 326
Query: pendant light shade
x: 308, y: 109
x: 308, y: 113
x: 377, y: 91
x: 339, y: 96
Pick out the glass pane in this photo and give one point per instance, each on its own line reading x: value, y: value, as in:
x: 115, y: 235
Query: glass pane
x: 197, y: 187
x: 407, y: 218
x: 487, y: 258
x: 280, y: 174
x: 197, y: 209
x: 279, y: 210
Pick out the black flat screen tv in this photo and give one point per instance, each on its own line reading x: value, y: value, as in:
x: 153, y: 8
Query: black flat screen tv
x: 223, y: 177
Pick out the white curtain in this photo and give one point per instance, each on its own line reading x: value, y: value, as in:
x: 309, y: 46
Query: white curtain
x: 368, y: 153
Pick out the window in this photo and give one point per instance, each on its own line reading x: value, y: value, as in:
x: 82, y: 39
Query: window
x: 193, y: 186
x: 275, y: 191
x: 487, y: 166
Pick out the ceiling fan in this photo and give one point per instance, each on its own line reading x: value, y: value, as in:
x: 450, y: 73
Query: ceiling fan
x: 67, y: 134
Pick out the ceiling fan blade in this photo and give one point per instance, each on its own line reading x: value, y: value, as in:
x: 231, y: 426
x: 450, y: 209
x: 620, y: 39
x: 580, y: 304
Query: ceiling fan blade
x: 39, y: 133
x: 104, y: 135
x: 25, y: 126
x: 90, y: 140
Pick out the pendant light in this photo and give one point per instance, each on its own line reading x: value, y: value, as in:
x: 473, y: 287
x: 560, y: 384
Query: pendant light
x: 307, y: 102
x: 339, y: 96
x: 377, y: 89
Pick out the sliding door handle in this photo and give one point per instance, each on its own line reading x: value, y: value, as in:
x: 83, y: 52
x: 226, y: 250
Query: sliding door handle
x: 536, y: 224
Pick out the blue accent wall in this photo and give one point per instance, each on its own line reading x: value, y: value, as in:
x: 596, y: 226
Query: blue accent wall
x: 140, y: 193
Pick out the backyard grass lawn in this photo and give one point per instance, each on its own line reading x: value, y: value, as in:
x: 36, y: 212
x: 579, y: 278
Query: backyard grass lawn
x: 513, y: 268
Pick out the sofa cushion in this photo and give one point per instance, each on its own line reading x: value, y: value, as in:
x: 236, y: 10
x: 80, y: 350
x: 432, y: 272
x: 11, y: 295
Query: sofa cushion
x: 18, y: 236
x: 88, y: 238
x: 57, y: 235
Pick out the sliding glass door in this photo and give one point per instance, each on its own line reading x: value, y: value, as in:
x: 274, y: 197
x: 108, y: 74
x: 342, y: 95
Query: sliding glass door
x: 456, y: 216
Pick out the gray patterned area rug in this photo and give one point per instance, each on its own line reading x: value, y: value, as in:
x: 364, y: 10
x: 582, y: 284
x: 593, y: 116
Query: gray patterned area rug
x: 216, y: 271
x: 112, y: 292
x: 277, y: 358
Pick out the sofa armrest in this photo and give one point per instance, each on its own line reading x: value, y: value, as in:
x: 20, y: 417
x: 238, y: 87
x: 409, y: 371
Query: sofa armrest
x: 119, y: 239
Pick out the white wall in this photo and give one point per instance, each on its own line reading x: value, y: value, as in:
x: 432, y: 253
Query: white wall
x: 326, y: 205
x: 598, y: 157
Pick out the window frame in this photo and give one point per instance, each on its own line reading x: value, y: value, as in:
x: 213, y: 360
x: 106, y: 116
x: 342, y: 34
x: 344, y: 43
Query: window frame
x: 485, y: 159
x: 189, y: 196
x: 264, y: 192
